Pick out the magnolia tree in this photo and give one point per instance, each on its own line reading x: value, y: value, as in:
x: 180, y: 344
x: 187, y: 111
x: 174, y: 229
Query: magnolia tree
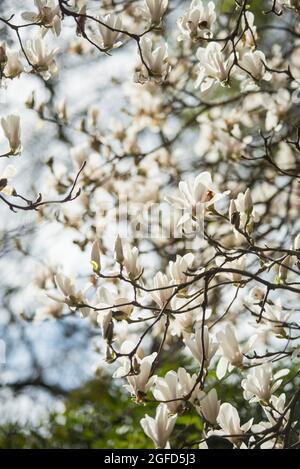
x: 186, y: 206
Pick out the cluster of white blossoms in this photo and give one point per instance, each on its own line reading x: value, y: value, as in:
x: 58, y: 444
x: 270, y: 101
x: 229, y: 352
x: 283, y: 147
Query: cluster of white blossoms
x: 211, y: 347
x: 200, y: 167
x: 12, y: 133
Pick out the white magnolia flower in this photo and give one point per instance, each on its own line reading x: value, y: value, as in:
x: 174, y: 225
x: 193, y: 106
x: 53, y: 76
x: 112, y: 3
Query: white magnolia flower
x: 12, y: 131
x: 141, y: 382
x: 276, y: 414
x: 155, y: 66
x: 5, y: 177
x: 188, y: 383
x: 209, y: 406
x: 195, y: 196
x: 273, y: 318
x: 232, y: 355
x: 276, y: 409
x: 48, y: 15
x: 110, y: 31
x: 164, y: 291
x: 198, y: 21
x: 178, y: 269
x: 69, y: 294
x: 65, y: 285
x: 121, y: 307
x: 131, y: 262
x: 154, y: 10
x: 173, y: 387
x: 188, y: 321
x: 214, y: 66
x: 13, y: 67
x: 139, y: 378
x: 229, y: 421
x: 196, y: 343
x: 41, y: 58
x: 160, y: 428
x: 260, y: 383
x: 254, y: 64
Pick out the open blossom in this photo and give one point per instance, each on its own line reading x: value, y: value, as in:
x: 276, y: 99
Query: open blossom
x: 275, y: 410
x: 188, y: 383
x: 155, y: 66
x: 141, y: 382
x: 154, y: 10
x: 5, y: 177
x: 121, y: 307
x: 276, y: 414
x: 47, y: 14
x: 196, y: 345
x: 159, y: 428
x: 139, y: 379
x: 173, y: 387
x: 229, y: 421
x: 12, y: 131
x: 110, y: 31
x: 68, y: 293
x: 260, y: 383
x: 13, y: 67
x: 254, y: 64
x: 195, y: 196
x: 164, y: 290
x: 178, y: 270
x: 214, y: 66
x: 232, y: 355
x: 209, y: 406
x: 42, y: 59
x: 189, y: 321
x: 197, y: 21
x: 274, y: 318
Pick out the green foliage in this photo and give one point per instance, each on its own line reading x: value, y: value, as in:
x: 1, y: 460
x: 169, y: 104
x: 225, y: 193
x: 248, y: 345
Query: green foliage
x: 101, y: 414
x: 97, y: 415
